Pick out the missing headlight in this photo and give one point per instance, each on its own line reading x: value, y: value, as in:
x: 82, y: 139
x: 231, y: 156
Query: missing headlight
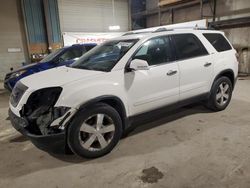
x: 44, y: 98
x: 40, y: 111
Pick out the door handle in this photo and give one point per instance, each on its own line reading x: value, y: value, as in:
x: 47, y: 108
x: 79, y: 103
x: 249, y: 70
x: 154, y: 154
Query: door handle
x: 171, y: 72
x: 207, y: 64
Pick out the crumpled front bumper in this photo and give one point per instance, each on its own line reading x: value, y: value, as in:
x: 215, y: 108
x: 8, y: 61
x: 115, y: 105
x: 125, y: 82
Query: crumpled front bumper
x: 55, y: 143
x: 9, y: 82
x: 7, y: 86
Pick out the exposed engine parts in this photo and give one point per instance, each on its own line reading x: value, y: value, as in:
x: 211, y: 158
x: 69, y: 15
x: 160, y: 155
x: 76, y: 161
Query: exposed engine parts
x: 40, y: 112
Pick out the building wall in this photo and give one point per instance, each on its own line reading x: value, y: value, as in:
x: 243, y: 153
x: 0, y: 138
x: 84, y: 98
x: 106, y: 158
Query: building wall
x: 151, y: 4
x: 11, y: 36
x: 240, y: 38
x: 226, y: 9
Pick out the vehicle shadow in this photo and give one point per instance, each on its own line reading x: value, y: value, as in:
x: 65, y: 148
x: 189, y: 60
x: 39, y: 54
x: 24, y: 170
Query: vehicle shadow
x: 166, y: 117
x: 19, y: 138
x: 32, y: 159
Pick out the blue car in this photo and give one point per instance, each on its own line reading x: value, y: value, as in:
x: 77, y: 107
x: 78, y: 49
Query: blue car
x: 63, y: 56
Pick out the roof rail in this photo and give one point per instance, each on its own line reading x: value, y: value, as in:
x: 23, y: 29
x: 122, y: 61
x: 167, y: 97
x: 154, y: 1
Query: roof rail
x: 133, y: 33
x: 171, y: 29
x: 77, y: 44
x: 162, y: 29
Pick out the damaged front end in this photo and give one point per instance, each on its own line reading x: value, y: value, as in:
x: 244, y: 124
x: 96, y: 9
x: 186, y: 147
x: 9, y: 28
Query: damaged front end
x: 42, y: 122
x: 40, y: 112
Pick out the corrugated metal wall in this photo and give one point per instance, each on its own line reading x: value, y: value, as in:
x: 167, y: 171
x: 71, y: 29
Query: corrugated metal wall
x: 42, y: 26
x: 35, y: 25
x: 53, y: 24
x: 53, y: 16
x: 138, y: 6
x: 92, y: 16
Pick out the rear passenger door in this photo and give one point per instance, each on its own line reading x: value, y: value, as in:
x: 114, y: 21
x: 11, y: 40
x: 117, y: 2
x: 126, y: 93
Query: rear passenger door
x: 195, y: 65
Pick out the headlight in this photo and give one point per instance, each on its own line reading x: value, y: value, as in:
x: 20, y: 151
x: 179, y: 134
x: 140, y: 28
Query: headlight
x: 16, y: 74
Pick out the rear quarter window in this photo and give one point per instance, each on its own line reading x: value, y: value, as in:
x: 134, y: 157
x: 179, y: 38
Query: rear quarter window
x: 218, y: 41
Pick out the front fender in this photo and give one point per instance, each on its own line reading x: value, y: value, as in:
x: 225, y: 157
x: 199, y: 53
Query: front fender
x: 76, y: 94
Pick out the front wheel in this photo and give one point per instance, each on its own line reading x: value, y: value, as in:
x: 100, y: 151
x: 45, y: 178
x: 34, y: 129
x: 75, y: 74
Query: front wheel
x: 221, y: 94
x: 95, y: 131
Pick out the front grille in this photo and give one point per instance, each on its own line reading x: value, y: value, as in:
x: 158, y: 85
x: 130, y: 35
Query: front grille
x: 17, y: 93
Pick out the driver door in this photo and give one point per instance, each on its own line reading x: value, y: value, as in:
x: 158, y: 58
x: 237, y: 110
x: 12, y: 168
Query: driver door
x: 158, y: 86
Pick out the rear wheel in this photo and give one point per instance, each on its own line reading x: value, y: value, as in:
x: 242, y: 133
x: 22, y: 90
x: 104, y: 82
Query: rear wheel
x: 221, y: 94
x: 95, y: 132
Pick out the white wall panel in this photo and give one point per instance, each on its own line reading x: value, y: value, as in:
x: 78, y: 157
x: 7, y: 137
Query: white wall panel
x: 92, y: 15
x: 12, y: 49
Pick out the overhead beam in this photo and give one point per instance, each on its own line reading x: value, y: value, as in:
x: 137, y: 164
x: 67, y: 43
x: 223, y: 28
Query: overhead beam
x: 231, y: 23
x: 165, y: 9
x: 170, y: 2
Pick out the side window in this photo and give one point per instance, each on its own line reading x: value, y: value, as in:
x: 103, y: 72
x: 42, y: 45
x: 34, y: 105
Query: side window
x: 218, y: 41
x: 84, y: 50
x: 188, y: 46
x: 89, y: 47
x: 155, y: 51
x: 71, y: 54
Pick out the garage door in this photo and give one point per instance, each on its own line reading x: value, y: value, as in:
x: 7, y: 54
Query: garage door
x: 92, y: 15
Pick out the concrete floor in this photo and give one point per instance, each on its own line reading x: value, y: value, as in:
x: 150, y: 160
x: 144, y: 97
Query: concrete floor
x: 191, y: 148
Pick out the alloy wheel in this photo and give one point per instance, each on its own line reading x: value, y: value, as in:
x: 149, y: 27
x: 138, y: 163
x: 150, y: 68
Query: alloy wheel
x: 223, y: 94
x: 96, y: 132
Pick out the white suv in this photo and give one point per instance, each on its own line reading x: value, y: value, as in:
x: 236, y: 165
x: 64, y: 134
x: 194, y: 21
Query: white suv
x: 86, y: 107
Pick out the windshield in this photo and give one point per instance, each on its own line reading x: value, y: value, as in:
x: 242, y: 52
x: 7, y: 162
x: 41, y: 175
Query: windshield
x: 105, y: 56
x: 51, y: 56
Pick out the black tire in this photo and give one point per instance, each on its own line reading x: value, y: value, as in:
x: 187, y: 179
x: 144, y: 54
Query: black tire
x: 212, y: 102
x: 74, y: 130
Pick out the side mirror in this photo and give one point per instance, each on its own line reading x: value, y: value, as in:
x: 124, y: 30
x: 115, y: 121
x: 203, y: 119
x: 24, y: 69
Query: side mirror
x: 138, y: 64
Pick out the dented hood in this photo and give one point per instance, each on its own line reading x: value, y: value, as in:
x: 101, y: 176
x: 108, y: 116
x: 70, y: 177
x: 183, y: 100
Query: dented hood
x: 57, y: 77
